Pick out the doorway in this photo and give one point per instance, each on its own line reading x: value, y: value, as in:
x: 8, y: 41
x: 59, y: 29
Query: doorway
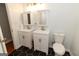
x: 4, y: 23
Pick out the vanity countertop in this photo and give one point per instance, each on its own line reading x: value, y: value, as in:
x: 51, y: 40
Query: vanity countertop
x: 42, y: 31
x: 26, y: 30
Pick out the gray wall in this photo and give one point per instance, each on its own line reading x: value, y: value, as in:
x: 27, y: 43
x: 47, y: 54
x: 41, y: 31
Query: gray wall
x: 4, y: 22
x: 62, y: 18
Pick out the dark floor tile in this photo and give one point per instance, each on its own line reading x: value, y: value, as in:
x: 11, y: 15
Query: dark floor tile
x: 36, y: 53
x: 24, y: 51
x: 66, y: 53
x: 30, y: 52
x: 19, y: 49
x: 15, y: 53
x: 42, y: 54
x: 51, y: 52
x: 22, y: 54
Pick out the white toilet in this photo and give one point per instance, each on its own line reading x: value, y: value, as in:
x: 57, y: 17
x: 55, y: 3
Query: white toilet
x: 58, y: 47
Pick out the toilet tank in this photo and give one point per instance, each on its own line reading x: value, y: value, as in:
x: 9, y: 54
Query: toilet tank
x: 59, y: 37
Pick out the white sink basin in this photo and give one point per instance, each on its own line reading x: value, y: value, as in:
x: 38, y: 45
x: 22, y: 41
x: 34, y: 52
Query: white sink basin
x: 26, y: 30
x: 41, y: 31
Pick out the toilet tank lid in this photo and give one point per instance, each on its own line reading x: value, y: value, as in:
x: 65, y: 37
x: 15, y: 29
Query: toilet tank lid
x: 59, y: 34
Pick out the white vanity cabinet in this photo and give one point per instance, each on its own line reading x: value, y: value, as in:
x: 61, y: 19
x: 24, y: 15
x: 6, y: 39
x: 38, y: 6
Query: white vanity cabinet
x: 25, y: 38
x: 41, y: 40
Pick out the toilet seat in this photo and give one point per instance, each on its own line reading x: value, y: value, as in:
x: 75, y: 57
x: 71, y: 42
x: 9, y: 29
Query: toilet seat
x: 59, y: 48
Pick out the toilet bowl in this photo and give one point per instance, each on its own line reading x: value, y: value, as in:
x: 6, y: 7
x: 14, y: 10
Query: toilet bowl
x: 58, y: 47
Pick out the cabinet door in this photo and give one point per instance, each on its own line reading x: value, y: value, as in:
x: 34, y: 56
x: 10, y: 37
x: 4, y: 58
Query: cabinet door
x: 21, y: 37
x: 36, y: 42
x: 44, y: 43
x: 28, y: 39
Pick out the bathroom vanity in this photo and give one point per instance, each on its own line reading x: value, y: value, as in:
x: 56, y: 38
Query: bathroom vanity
x: 34, y: 28
x: 41, y: 40
x: 25, y: 37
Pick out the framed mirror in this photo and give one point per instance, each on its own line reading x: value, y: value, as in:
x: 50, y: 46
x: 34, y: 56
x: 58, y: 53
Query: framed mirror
x: 34, y: 18
x: 38, y: 18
